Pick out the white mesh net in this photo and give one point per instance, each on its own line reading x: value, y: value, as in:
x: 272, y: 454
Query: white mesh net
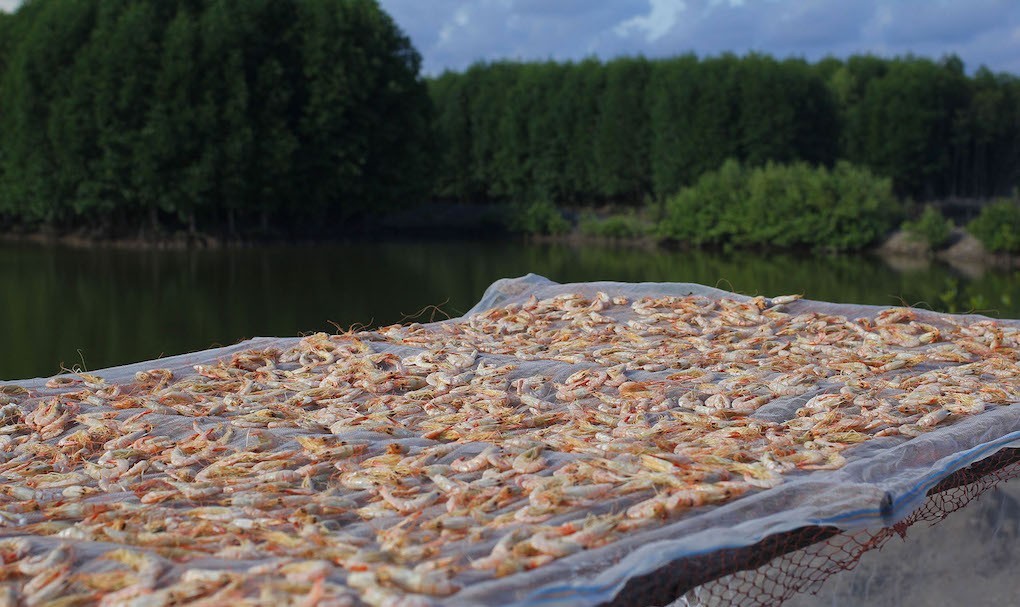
x: 547, y: 447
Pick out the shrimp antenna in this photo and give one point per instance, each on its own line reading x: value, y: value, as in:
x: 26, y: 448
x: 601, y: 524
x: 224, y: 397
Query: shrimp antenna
x: 903, y: 302
x: 718, y: 285
x: 429, y: 308
x: 353, y: 328
x: 74, y: 369
x: 81, y: 357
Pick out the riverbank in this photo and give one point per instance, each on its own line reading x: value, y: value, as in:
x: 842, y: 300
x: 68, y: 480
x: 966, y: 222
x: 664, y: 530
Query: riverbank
x: 426, y: 221
x: 87, y: 240
x: 900, y: 250
x: 962, y: 251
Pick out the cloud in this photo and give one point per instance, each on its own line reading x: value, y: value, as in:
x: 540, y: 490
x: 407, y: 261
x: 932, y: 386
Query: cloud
x: 659, y: 20
x: 452, y: 34
x: 924, y: 21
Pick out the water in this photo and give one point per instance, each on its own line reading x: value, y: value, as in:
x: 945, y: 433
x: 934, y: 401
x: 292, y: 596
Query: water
x: 94, y: 308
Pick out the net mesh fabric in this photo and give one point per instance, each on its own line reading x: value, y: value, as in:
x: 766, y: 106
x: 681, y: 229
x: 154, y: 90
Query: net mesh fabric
x: 782, y: 566
x: 758, y: 549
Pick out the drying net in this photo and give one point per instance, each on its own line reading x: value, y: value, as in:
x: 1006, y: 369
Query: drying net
x: 572, y: 444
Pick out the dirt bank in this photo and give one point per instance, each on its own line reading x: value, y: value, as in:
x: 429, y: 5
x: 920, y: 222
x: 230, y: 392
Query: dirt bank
x: 963, y: 252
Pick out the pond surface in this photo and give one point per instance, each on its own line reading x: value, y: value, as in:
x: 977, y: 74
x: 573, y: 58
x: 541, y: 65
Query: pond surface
x: 95, y: 308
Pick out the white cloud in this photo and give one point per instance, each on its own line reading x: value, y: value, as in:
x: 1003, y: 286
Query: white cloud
x: 461, y: 18
x: 657, y: 23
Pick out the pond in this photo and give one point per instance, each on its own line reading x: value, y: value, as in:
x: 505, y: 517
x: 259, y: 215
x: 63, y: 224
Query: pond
x: 99, y: 307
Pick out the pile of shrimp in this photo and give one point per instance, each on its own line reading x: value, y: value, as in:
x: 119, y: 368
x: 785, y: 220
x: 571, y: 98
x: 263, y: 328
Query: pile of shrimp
x: 397, y: 466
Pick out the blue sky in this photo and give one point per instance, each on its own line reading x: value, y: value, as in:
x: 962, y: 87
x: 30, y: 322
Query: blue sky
x: 452, y: 34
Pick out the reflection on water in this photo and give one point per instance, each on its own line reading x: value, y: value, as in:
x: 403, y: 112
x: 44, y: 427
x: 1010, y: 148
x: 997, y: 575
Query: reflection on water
x: 107, y: 307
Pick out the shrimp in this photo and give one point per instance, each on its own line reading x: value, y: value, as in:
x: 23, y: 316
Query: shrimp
x: 434, y: 583
x: 594, y: 531
x: 406, y: 505
x: 9, y: 596
x: 553, y: 546
x: 51, y: 560
x: 345, y: 456
x: 306, y: 571
x: 322, y: 448
x: 14, y: 549
x: 782, y: 300
x: 931, y: 419
x: 475, y: 463
x: 501, y: 550
x: 46, y: 585
x: 529, y: 461
x: 653, y: 507
x: 62, y: 382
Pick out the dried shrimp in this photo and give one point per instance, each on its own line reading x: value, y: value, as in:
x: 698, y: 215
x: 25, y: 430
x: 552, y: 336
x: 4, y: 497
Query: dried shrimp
x: 395, y: 466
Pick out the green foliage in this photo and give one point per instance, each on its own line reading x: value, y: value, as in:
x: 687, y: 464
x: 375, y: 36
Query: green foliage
x: 623, y: 131
x: 935, y: 131
x: 998, y: 226
x: 931, y: 227
x: 530, y: 160
x: 673, y: 97
x: 906, y: 124
x: 991, y: 298
x: 625, y: 225
x: 537, y: 217
x: 578, y: 110
x: 786, y: 112
x: 846, y: 208
x: 217, y: 112
x: 452, y: 129
x: 957, y: 300
x: 695, y: 214
x: 298, y: 113
x: 617, y: 131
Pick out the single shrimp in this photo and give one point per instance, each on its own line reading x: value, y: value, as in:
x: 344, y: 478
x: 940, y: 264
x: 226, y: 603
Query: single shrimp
x: 435, y: 583
x: 529, y: 461
x: 475, y: 463
x: 553, y: 546
x: 46, y: 585
x: 407, y: 505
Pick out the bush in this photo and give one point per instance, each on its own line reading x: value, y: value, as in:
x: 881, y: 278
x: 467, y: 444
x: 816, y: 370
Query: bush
x: 538, y: 217
x: 847, y: 208
x: 930, y: 227
x: 998, y: 226
x: 695, y: 215
x: 628, y: 225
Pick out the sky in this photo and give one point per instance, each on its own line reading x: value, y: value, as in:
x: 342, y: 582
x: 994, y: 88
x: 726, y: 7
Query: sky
x: 452, y: 34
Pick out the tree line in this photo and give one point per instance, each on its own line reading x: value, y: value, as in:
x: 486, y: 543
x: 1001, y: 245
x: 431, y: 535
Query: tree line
x: 229, y: 113
x: 312, y: 115
x: 634, y: 129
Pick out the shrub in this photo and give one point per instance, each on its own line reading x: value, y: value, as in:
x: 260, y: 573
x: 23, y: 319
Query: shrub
x: 998, y: 226
x: 695, y: 214
x: 846, y: 208
x: 930, y: 227
x: 538, y: 217
x: 627, y: 225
